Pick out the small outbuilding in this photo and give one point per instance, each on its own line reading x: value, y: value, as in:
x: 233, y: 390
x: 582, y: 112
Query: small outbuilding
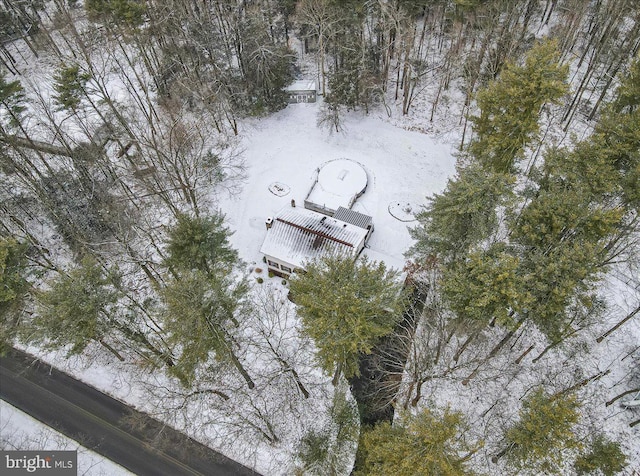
x: 297, y: 235
x: 304, y: 90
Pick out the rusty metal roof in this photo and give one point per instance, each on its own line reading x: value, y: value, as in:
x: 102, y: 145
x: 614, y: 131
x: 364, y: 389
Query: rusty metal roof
x: 298, y: 235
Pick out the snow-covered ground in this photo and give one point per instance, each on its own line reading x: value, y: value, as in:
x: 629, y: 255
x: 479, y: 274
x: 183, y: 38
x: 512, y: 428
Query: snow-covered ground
x: 403, y: 167
x: 19, y: 431
x: 407, y: 158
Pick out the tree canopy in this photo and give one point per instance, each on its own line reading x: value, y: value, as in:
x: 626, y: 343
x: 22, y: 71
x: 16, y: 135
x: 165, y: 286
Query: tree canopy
x: 124, y: 12
x: 204, y: 298
x: 603, y: 457
x: 462, y: 216
x: 200, y: 310
x: 77, y: 308
x: 200, y: 243
x: 12, y: 101
x: 429, y: 443
x: 69, y: 84
x: 346, y: 306
x: 537, y: 441
x: 510, y: 106
x: 13, y: 287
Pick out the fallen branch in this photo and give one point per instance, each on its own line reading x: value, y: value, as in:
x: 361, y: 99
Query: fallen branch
x: 620, y: 396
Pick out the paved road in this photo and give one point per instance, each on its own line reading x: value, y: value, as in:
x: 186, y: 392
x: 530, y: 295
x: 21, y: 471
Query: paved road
x: 104, y: 424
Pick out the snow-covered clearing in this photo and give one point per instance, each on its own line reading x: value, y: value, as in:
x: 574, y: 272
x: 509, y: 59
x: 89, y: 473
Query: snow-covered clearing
x: 402, y: 167
x: 19, y: 431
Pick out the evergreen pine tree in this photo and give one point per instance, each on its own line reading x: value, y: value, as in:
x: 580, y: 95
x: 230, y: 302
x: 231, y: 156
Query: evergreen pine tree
x: 200, y: 312
x: 204, y: 299
x: 462, y: 216
x: 11, y: 102
x: 427, y: 444
x: 125, y: 12
x: 510, y: 107
x: 483, y: 287
x: 603, y: 457
x: 69, y: 84
x: 346, y: 306
x: 328, y: 450
x: 14, y: 288
x: 544, y: 431
x: 200, y: 243
x: 608, y: 161
x: 78, y: 308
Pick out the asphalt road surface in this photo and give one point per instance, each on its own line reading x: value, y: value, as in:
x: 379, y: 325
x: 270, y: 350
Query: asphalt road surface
x: 132, y: 439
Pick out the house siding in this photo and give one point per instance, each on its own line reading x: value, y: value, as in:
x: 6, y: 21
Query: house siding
x: 301, y: 96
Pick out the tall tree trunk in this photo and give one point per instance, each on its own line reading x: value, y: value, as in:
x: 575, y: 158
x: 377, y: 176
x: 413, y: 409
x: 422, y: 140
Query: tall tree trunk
x: 238, y: 365
x: 629, y: 316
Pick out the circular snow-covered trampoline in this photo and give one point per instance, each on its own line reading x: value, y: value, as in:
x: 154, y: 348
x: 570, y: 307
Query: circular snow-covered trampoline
x: 338, y: 183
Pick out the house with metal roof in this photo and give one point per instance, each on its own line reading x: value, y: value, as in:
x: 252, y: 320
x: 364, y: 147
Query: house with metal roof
x: 296, y: 236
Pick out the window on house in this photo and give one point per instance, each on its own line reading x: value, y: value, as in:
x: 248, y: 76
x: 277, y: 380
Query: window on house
x: 273, y: 264
x: 286, y: 269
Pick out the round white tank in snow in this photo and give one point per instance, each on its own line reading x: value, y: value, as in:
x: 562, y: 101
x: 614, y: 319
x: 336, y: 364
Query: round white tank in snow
x: 344, y: 177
